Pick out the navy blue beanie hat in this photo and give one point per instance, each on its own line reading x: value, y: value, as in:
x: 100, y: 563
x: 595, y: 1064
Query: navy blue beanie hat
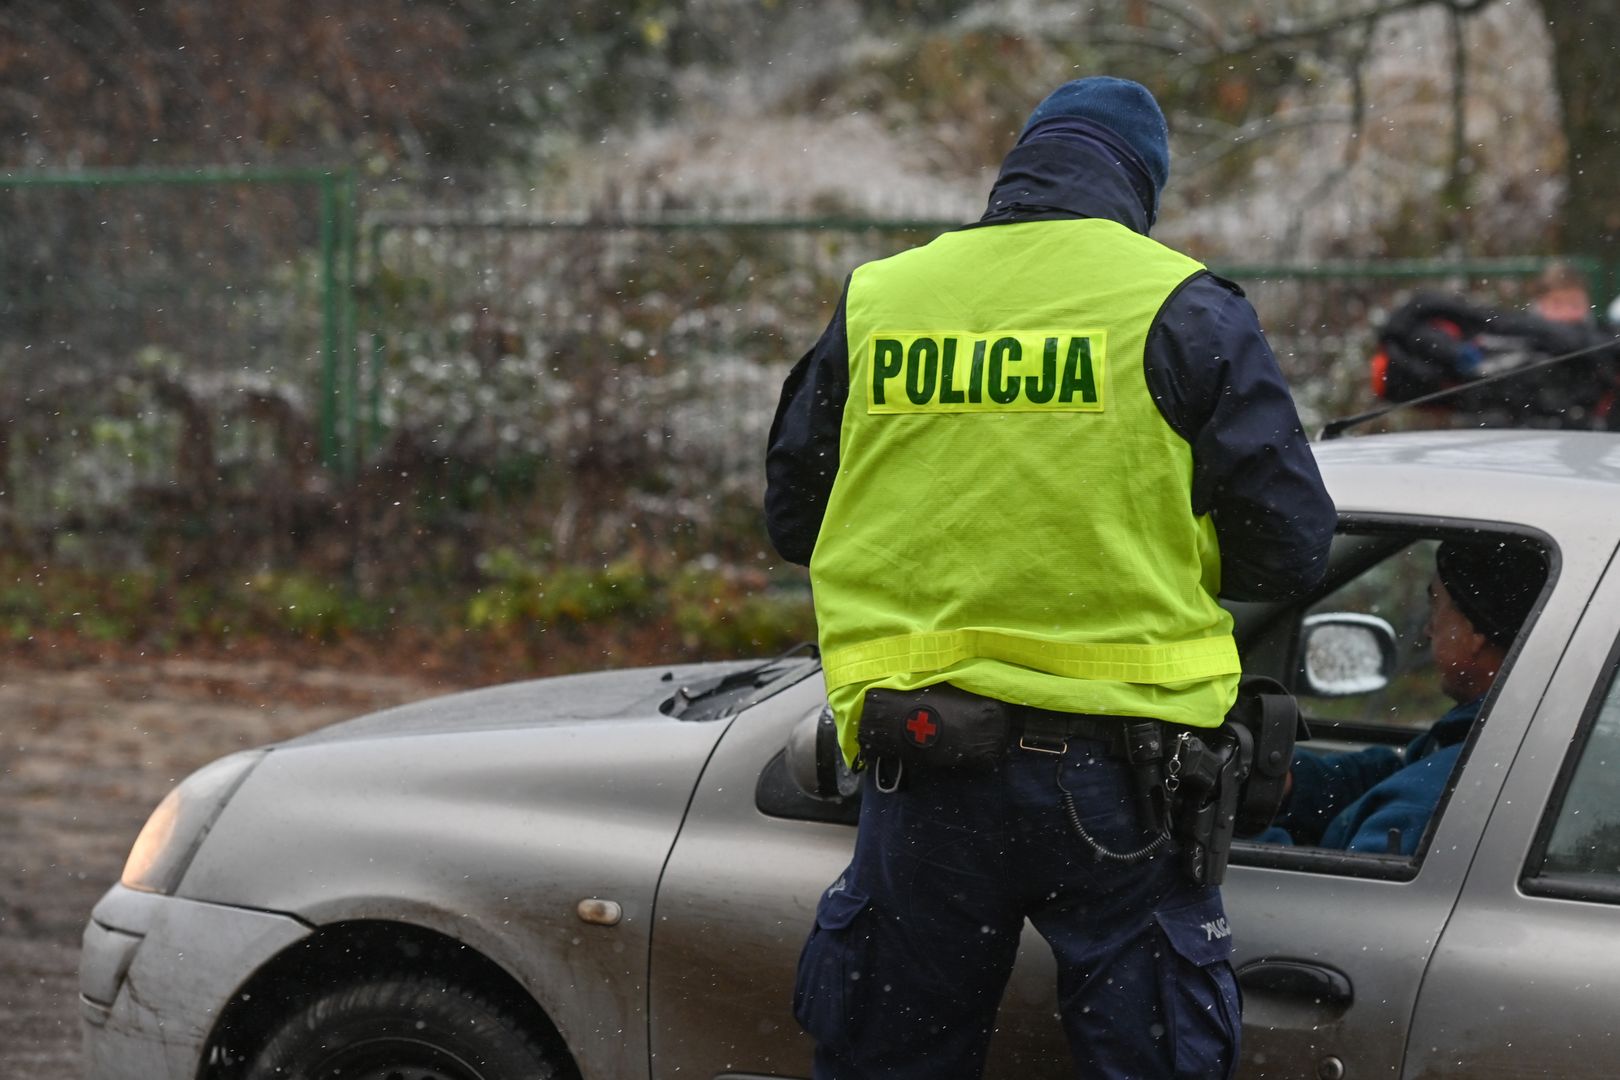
x: 1494, y: 583
x: 1124, y: 107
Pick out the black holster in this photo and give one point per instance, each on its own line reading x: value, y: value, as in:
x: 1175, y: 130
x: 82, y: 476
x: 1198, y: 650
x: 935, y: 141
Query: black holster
x: 1207, y: 770
x: 1228, y: 781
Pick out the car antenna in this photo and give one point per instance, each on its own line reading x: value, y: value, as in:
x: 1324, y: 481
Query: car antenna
x: 1334, y: 428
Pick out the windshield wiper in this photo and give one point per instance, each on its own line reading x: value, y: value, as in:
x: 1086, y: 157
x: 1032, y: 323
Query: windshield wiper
x: 690, y: 694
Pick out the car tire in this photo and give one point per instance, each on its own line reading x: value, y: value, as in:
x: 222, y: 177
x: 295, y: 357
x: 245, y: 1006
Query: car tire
x: 407, y: 1027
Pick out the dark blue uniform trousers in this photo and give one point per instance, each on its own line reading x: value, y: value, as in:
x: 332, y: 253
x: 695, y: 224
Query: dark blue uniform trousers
x: 913, y: 944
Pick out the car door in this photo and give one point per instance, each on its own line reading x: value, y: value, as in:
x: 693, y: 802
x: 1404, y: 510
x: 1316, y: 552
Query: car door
x: 1524, y: 980
x: 736, y: 902
x: 1332, y: 947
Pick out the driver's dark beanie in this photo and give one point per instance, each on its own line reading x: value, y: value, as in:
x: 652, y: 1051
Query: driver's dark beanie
x: 1123, y: 107
x: 1494, y: 583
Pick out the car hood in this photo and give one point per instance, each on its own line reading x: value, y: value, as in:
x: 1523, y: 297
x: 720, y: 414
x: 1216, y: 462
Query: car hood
x: 533, y: 793
x: 637, y: 693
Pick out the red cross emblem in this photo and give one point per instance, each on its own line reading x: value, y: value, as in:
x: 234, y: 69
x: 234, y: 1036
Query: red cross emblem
x: 922, y: 725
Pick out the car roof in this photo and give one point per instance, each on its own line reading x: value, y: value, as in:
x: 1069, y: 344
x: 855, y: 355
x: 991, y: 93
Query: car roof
x: 1552, y: 480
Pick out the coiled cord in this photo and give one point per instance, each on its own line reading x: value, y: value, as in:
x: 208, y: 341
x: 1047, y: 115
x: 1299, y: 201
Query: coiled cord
x: 1073, y: 814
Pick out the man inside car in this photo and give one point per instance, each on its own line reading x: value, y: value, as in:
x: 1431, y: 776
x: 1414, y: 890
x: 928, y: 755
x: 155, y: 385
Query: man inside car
x: 1379, y: 800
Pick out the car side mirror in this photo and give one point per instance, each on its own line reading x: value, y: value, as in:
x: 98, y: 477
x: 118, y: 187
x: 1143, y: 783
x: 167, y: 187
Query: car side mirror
x: 814, y: 760
x: 1345, y: 654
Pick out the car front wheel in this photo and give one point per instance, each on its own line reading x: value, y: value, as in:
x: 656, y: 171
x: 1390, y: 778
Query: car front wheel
x: 408, y: 1027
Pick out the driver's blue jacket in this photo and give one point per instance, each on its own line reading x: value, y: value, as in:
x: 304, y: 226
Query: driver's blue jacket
x: 1373, y: 800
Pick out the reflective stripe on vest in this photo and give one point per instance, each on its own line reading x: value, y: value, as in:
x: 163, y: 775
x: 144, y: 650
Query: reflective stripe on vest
x: 1181, y: 661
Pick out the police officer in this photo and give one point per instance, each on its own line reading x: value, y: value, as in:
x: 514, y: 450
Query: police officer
x: 1024, y: 460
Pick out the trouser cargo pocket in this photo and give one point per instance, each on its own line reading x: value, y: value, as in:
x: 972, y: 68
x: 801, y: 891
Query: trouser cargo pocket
x: 1199, y: 989
x: 829, y: 990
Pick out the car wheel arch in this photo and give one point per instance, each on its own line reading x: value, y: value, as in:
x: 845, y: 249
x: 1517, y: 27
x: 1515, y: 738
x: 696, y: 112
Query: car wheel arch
x: 353, y: 952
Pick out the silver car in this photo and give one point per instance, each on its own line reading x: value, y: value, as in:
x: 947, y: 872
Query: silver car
x: 611, y: 875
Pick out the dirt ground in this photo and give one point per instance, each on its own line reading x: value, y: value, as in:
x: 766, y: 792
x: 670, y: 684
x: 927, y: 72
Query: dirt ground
x: 86, y: 752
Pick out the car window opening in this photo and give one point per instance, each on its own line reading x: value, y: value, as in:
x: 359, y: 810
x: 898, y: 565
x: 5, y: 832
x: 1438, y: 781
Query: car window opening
x: 1395, y: 666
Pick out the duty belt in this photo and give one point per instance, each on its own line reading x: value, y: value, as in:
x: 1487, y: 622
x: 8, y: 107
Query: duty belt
x: 1048, y: 732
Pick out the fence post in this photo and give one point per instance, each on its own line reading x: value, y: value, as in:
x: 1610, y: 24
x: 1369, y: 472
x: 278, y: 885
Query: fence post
x: 348, y: 197
x: 330, y: 332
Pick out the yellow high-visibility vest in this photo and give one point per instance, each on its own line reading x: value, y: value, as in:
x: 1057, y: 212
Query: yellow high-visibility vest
x: 1012, y: 513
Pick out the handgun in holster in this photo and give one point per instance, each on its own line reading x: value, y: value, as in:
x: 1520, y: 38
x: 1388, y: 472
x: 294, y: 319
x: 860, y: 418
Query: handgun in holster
x: 1214, y: 766
x: 1230, y: 779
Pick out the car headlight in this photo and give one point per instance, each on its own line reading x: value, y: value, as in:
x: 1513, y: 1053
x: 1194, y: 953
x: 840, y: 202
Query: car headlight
x: 176, y: 828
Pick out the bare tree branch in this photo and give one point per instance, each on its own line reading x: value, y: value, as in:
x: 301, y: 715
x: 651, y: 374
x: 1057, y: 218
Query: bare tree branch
x: 1205, y: 24
x: 1222, y: 45
x: 1294, y: 30
x: 1262, y: 129
x: 1355, y: 71
x: 1145, y: 39
x: 1456, y: 179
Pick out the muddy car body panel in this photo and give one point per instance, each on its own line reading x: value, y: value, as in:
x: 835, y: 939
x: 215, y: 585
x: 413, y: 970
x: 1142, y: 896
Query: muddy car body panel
x: 156, y: 972
x: 474, y: 837
x: 486, y: 817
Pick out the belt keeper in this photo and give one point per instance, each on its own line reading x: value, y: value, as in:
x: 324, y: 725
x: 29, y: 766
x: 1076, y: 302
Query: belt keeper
x: 1043, y: 744
x: 1044, y: 735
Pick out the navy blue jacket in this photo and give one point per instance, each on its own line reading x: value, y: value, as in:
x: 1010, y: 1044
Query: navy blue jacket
x: 1373, y: 800
x: 1208, y: 368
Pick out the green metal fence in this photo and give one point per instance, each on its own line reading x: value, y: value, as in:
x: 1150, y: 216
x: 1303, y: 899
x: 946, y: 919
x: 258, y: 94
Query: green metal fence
x: 98, y: 264
x: 583, y: 387
x: 629, y: 369
x: 572, y: 311
x: 1320, y: 316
